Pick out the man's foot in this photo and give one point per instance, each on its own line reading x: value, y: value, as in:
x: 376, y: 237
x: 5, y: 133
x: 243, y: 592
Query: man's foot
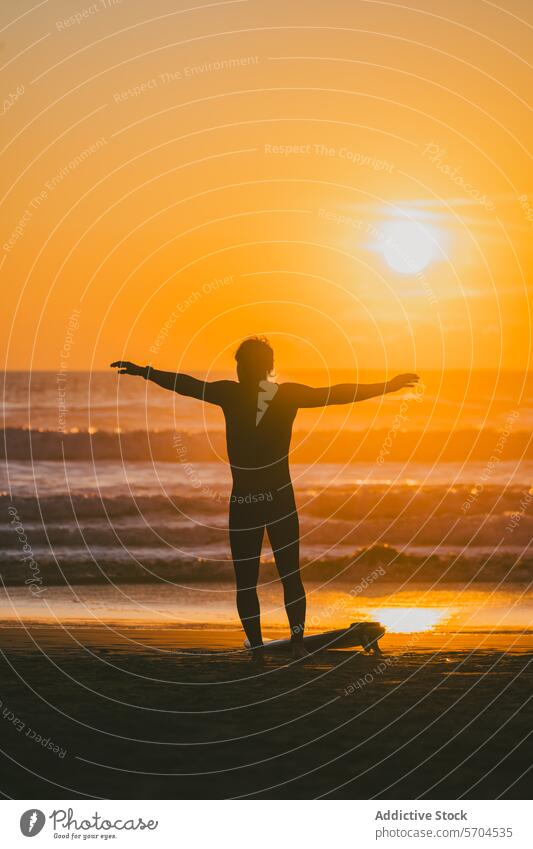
x: 258, y: 656
x: 298, y: 650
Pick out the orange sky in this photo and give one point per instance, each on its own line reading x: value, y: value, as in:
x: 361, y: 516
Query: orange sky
x: 249, y: 167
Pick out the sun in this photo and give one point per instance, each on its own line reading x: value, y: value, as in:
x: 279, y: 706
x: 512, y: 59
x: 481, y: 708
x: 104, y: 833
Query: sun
x: 408, y: 247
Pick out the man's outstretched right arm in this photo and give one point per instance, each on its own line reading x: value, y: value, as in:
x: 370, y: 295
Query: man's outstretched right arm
x: 183, y: 384
x: 346, y: 393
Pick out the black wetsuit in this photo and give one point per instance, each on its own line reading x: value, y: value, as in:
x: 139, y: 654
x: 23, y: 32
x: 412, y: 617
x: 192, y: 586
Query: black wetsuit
x: 262, y: 497
x: 259, y: 418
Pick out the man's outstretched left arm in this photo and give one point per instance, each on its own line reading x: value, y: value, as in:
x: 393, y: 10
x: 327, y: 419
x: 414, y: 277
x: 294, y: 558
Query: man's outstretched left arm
x: 183, y: 384
x: 347, y: 393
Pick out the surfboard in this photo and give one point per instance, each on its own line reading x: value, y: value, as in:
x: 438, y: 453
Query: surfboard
x: 364, y: 634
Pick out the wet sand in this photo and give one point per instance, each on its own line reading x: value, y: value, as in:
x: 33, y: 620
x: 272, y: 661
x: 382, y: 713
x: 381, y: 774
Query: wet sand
x: 127, y: 711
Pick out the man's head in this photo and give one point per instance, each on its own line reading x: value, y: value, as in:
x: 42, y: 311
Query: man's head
x: 255, y: 359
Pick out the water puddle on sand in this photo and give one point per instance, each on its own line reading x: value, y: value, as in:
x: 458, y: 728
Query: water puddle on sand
x: 458, y: 618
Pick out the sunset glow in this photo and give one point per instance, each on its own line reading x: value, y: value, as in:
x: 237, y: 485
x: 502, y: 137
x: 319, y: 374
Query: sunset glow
x: 187, y: 196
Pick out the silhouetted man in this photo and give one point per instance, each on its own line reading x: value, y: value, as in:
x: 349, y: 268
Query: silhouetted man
x: 259, y: 416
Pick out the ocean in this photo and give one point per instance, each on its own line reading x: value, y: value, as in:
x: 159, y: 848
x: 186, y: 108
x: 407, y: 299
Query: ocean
x: 113, y: 484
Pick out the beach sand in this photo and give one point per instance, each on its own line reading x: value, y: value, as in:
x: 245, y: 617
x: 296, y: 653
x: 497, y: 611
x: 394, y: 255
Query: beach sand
x: 125, y: 711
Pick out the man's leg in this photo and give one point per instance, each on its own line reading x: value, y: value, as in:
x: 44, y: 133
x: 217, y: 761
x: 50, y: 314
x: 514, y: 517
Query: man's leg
x: 284, y: 536
x: 246, y: 543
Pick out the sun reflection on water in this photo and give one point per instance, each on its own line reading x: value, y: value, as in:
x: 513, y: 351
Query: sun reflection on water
x: 407, y: 620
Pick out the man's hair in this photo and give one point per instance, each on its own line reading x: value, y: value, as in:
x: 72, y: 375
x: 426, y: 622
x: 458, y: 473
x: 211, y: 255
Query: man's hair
x: 258, y: 351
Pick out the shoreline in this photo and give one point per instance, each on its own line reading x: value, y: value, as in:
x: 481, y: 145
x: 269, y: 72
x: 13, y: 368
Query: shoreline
x: 171, y: 639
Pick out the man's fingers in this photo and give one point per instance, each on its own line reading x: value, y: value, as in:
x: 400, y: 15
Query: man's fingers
x: 122, y: 365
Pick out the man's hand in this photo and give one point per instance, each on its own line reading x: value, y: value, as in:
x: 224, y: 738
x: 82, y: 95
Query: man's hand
x: 124, y: 367
x: 401, y: 381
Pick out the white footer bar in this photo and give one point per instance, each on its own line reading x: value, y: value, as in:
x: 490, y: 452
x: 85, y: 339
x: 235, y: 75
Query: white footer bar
x: 269, y: 824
